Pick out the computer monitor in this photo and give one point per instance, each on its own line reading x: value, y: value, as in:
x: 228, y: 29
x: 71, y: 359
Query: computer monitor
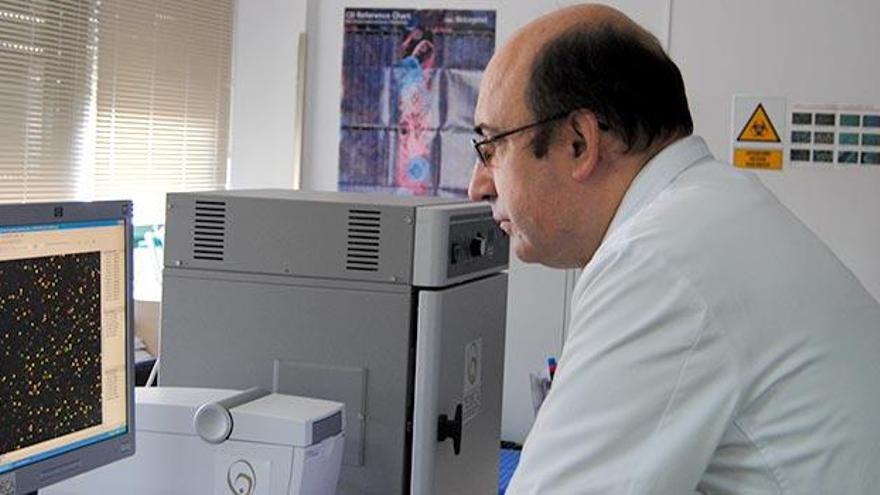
x: 66, y: 333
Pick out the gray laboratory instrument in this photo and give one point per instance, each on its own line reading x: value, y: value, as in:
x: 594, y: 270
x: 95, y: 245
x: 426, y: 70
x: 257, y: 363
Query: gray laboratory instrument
x: 393, y: 305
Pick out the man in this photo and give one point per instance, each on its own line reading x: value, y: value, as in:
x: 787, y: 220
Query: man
x: 715, y: 343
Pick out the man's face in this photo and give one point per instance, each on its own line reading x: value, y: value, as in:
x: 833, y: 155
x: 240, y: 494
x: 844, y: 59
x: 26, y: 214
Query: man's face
x: 528, y: 194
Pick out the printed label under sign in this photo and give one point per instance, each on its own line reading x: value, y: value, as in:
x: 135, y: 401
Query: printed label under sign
x: 758, y: 158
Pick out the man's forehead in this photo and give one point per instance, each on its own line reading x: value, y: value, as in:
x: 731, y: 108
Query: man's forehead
x: 502, y: 91
x: 502, y: 99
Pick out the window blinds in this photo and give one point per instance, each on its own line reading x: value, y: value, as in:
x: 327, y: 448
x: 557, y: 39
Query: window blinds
x: 47, y: 51
x: 113, y: 99
x: 162, y: 106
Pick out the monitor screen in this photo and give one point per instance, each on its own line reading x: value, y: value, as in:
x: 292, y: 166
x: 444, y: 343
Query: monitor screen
x: 65, y: 370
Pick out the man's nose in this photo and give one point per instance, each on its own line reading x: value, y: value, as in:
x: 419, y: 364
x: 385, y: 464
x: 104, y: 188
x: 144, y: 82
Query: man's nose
x: 482, y: 186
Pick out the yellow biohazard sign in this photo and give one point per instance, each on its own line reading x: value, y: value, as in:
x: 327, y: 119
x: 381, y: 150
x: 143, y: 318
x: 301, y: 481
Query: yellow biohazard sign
x: 759, y: 128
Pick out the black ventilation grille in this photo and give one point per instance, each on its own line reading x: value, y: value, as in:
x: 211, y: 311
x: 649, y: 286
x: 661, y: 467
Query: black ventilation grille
x: 364, y: 234
x: 209, y: 230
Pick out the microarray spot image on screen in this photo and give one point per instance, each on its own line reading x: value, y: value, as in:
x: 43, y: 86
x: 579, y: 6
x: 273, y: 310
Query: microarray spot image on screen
x: 50, y: 348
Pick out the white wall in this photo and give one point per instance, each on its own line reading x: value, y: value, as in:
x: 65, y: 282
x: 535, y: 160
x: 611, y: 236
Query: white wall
x: 263, y: 151
x: 810, y: 52
x: 325, y: 63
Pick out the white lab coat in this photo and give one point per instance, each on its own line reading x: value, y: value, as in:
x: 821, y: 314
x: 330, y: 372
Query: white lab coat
x: 717, y: 345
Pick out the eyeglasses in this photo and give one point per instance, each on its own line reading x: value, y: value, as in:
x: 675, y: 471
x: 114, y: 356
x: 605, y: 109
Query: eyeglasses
x: 485, y: 147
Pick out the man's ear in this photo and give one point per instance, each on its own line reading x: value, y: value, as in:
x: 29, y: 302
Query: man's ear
x: 584, y: 139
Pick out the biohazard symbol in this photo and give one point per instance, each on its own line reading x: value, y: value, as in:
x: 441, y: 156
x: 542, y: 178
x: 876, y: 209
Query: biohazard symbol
x: 759, y: 128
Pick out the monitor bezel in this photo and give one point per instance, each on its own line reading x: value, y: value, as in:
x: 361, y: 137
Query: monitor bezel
x: 44, y: 472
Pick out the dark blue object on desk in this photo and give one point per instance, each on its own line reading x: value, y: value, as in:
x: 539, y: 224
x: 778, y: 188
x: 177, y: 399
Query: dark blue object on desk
x: 507, y: 463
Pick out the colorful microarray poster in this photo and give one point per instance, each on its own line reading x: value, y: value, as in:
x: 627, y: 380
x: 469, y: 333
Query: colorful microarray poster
x: 410, y: 80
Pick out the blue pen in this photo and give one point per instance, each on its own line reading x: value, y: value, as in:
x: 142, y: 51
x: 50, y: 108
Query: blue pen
x: 551, y: 366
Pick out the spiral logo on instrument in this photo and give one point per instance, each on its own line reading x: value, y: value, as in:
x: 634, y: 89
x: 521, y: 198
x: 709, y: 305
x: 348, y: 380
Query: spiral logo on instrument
x: 241, y: 478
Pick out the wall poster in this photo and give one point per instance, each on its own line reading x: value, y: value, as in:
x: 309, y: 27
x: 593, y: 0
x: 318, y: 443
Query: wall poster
x: 410, y: 80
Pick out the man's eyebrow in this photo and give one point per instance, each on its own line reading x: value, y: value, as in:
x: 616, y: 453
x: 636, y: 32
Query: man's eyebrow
x: 482, y: 128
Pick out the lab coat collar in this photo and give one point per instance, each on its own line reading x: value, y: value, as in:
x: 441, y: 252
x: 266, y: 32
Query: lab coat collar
x: 658, y: 173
